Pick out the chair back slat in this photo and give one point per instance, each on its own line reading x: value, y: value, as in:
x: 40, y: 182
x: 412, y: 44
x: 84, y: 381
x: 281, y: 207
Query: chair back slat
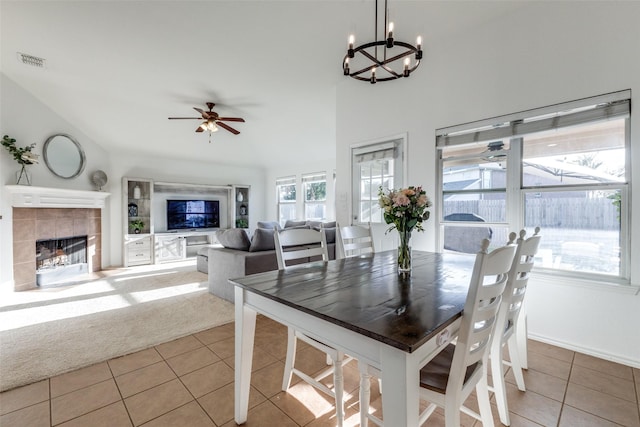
x: 299, y: 244
x: 518, y: 279
x: 354, y: 240
x: 483, y: 301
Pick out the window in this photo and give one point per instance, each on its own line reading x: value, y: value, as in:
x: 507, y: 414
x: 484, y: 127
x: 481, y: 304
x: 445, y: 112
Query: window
x: 563, y: 168
x: 315, y: 196
x: 374, y: 166
x: 286, y: 189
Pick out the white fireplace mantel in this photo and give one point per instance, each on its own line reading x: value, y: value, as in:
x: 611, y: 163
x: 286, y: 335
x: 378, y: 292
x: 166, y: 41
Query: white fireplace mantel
x: 26, y: 196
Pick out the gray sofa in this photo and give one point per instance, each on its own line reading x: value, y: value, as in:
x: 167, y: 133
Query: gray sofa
x: 235, y: 260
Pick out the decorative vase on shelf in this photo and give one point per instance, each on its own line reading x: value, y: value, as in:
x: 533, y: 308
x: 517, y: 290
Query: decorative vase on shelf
x: 404, y: 253
x: 23, y: 176
x: 136, y: 192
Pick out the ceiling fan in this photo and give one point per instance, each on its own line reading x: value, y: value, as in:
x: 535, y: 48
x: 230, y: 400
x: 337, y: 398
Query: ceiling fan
x: 211, y: 120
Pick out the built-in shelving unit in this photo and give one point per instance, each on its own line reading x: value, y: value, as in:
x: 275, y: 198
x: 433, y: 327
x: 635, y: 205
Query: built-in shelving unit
x: 150, y: 242
x: 241, y: 206
x: 138, y: 221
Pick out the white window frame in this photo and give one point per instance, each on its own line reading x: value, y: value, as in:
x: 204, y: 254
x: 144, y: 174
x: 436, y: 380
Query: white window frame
x: 370, y: 148
x: 513, y: 127
x: 314, y: 178
x: 287, y: 180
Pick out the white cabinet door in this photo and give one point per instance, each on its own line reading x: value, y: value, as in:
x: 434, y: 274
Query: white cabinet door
x: 169, y: 248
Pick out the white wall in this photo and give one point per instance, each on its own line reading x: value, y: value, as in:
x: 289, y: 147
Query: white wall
x: 542, y: 54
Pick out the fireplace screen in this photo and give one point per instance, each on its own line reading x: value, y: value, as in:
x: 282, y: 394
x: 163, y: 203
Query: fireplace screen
x: 61, y: 252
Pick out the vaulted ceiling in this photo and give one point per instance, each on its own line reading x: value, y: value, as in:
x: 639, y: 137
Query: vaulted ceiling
x: 117, y: 70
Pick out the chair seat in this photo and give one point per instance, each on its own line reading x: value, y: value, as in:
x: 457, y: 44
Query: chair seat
x: 435, y: 375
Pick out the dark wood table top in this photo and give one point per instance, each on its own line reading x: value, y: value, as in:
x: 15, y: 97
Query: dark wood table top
x: 366, y: 295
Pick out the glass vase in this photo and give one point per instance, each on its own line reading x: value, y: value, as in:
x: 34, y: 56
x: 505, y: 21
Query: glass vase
x: 23, y: 177
x: 404, y: 253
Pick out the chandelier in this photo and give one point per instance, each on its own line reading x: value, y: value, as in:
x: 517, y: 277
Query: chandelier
x: 375, y: 61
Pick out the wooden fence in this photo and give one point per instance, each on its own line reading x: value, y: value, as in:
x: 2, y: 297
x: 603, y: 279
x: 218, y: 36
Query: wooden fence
x: 585, y: 214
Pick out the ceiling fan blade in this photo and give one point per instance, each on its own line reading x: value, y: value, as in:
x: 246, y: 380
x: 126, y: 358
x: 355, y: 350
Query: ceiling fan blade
x: 199, y: 129
x: 185, y: 118
x: 231, y: 119
x: 229, y: 128
x: 205, y: 114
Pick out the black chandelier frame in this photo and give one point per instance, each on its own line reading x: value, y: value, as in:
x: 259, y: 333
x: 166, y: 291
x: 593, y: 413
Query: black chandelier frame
x: 384, y: 63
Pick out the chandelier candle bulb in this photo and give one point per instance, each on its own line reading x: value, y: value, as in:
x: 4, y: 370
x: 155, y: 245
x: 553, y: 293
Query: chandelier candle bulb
x: 390, y: 36
x: 350, y: 52
x: 373, y: 75
x: 406, y: 67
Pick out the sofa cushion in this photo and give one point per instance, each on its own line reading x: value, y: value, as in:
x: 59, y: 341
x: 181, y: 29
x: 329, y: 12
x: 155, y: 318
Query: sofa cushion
x: 234, y: 238
x: 262, y: 240
x: 291, y: 223
x: 269, y: 225
x: 330, y: 224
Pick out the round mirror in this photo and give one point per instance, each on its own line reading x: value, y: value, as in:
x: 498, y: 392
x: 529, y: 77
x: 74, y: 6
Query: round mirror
x: 63, y: 156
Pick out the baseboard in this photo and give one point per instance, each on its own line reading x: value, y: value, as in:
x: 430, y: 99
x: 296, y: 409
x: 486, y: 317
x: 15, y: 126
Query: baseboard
x: 634, y: 363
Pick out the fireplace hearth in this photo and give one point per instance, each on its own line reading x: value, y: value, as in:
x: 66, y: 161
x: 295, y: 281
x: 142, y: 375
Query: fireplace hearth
x: 58, y: 260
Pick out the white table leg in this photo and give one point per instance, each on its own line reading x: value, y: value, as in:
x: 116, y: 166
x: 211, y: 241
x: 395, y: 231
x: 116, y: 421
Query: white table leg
x: 400, y: 388
x: 245, y: 332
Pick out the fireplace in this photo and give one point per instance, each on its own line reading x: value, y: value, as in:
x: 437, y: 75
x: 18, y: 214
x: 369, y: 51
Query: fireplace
x: 60, y: 259
x: 43, y: 213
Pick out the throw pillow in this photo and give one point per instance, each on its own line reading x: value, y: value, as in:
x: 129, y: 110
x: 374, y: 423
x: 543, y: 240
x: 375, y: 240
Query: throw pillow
x: 262, y: 240
x: 234, y: 238
x: 269, y: 225
x: 330, y: 224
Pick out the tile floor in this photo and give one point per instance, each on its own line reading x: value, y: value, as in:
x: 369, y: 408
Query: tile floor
x: 189, y: 382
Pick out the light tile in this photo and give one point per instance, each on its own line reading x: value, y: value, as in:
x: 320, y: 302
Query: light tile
x: 71, y: 381
x: 157, y: 401
x: 22, y: 397
x: 550, y: 350
x: 179, y: 346
x: 265, y: 415
x: 83, y: 401
x: 541, y: 383
x: 208, y: 379
x: 114, y: 415
x: 219, y: 404
x: 224, y: 348
x: 533, y: 406
x: 603, y: 405
x: 549, y: 365
x: 191, y: 415
x: 32, y: 416
x: 192, y: 360
x: 268, y: 380
x: 133, y: 361
x: 604, y: 366
x: 572, y: 417
x: 216, y: 334
x: 303, y: 403
x: 144, y: 378
x: 259, y: 360
x: 605, y: 383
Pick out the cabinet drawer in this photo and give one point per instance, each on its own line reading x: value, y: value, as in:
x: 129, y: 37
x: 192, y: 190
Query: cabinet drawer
x: 138, y: 244
x: 138, y: 256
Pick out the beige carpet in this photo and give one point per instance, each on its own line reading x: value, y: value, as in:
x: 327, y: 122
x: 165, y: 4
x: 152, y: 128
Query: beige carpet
x: 46, y: 332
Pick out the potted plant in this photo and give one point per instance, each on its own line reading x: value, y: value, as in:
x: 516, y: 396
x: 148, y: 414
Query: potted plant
x: 136, y: 225
x: 22, y: 155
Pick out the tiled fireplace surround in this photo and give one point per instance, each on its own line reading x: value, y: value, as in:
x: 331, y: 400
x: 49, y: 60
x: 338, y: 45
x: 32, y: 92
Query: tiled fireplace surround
x: 31, y: 224
x: 47, y: 213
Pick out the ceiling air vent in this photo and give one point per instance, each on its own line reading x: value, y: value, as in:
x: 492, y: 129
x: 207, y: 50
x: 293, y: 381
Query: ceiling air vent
x: 34, y: 61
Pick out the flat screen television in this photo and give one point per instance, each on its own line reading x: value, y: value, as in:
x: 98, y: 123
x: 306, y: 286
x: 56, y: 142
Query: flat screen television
x: 189, y: 214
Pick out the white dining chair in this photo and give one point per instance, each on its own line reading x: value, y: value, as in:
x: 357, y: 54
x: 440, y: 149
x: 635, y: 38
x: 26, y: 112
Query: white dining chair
x: 354, y: 240
x: 300, y: 246
x: 509, y: 317
x: 448, y: 379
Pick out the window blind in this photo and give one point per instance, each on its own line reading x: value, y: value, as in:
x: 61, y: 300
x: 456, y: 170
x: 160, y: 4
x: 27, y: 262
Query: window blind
x: 384, y: 151
x: 315, y: 177
x: 605, y: 107
x: 289, y: 180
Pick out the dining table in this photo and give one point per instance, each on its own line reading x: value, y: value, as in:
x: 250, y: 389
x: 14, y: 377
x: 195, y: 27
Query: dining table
x: 393, y: 322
